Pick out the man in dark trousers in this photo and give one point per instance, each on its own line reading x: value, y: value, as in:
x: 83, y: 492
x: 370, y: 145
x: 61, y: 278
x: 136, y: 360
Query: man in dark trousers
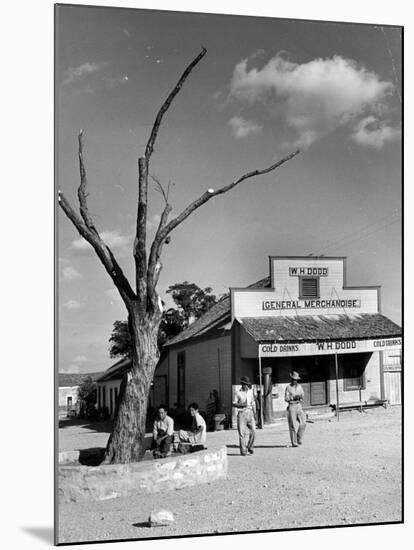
x: 294, y: 395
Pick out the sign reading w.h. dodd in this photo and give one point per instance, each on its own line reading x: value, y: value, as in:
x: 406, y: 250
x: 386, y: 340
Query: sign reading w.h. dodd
x: 308, y: 271
x: 329, y: 347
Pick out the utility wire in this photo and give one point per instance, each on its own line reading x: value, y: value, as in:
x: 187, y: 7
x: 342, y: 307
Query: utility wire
x: 362, y: 230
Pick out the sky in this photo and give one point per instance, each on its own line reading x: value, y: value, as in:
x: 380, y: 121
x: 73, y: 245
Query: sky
x: 265, y: 88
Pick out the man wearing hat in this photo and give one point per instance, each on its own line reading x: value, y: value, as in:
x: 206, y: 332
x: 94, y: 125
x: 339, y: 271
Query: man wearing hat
x: 296, y: 417
x: 245, y: 403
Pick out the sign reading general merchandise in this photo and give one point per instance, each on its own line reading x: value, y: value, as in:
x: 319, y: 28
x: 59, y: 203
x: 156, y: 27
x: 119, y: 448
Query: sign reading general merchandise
x: 310, y: 304
x: 329, y: 347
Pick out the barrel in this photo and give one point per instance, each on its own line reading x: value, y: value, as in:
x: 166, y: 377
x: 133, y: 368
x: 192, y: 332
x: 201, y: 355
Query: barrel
x: 219, y: 422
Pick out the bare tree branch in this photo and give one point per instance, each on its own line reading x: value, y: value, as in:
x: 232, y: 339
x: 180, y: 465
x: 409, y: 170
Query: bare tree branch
x: 102, y: 250
x: 161, y: 189
x: 140, y: 244
x: 82, y: 194
x: 154, y: 264
x: 150, y: 145
x: 211, y: 193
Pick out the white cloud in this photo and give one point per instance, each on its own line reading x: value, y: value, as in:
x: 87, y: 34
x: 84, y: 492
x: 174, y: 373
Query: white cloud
x: 70, y: 274
x: 113, y: 295
x: 75, y: 74
x: 153, y: 222
x: 79, y: 359
x: 242, y: 128
x: 114, y: 82
x: 372, y: 133
x: 72, y: 305
x: 313, y: 98
x: 90, y: 77
x: 114, y: 239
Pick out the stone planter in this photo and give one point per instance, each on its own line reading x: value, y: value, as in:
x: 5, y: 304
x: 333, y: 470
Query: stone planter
x: 85, y: 483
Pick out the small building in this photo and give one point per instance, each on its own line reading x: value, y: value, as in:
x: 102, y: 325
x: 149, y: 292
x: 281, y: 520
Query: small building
x: 303, y: 317
x: 109, y: 383
x: 68, y: 391
x: 108, y: 386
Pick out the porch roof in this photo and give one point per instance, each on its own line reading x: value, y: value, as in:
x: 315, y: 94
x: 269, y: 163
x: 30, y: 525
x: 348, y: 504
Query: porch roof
x: 311, y: 328
x: 116, y: 371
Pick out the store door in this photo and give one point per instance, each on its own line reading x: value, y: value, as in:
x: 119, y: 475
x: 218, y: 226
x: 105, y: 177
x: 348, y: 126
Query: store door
x: 313, y: 380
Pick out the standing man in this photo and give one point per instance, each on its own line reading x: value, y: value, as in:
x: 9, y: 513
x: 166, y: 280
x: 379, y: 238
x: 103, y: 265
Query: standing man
x: 162, y: 433
x: 244, y: 401
x: 296, y: 417
x: 198, y: 435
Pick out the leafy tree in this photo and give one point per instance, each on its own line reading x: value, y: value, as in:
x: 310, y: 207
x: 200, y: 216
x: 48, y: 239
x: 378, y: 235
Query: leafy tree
x: 141, y: 299
x: 191, y: 301
x: 120, y: 342
x: 87, y: 397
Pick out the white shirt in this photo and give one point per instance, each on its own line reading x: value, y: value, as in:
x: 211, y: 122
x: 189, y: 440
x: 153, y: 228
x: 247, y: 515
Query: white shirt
x: 167, y: 425
x: 245, y: 398
x: 294, y: 391
x: 199, y: 422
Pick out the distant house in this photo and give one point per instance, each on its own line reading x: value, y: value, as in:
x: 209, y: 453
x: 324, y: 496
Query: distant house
x: 109, y: 383
x: 68, y: 390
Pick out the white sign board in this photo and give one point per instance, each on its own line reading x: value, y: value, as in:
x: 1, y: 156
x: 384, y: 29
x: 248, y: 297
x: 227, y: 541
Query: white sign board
x: 329, y: 348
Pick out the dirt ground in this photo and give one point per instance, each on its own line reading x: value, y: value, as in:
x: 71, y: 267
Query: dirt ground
x: 346, y: 472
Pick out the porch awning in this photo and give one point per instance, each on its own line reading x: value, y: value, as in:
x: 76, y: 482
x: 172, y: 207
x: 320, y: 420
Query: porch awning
x: 316, y: 328
x: 319, y: 335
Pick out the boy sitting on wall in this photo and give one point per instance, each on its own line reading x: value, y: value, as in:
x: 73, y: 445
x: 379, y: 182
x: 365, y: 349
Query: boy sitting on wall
x: 162, y: 433
x: 196, y: 438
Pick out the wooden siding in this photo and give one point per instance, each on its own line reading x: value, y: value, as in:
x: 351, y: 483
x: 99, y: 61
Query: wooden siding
x: 207, y: 368
x: 392, y: 387
x: 285, y: 287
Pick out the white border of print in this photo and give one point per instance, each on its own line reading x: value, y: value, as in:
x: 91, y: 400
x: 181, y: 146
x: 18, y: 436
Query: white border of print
x: 27, y: 270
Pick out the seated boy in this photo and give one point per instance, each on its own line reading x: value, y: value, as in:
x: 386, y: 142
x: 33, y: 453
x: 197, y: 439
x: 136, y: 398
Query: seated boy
x: 162, y: 433
x: 197, y: 436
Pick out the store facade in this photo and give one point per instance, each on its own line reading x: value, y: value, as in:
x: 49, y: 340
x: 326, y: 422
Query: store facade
x: 311, y: 322
x: 302, y: 317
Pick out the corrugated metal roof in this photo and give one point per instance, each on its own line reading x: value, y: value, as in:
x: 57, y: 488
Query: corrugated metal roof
x: 217, y: 315
x: 309, y: 328
x: 116, y: 371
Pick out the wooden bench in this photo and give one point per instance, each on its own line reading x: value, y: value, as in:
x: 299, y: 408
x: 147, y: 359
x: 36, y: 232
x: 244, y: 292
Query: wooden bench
x: 362, y: 404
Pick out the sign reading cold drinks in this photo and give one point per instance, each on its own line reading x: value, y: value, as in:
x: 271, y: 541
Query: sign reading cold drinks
x: 329, y: 347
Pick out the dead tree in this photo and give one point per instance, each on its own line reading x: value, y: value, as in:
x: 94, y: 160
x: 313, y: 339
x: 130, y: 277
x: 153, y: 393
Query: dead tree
x: 143, y: 304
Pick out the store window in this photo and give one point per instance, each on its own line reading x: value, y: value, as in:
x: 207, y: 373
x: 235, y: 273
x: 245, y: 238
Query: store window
x: 308, y: 287
x: 353, y: 379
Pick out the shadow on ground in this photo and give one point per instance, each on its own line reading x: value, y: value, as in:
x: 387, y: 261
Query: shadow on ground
x: 98, y: 427
x: 43, y: 533
x: 259, y: 446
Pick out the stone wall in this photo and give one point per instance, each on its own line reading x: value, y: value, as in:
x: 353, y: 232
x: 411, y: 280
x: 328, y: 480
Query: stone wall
x: 83, y: 483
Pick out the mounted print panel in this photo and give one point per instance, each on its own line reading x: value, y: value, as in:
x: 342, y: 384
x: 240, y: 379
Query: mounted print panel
x: 229, y: 247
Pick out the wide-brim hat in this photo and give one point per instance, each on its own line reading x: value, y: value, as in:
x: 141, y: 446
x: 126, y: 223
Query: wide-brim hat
x: 294, y: 375
x: 245, y: 380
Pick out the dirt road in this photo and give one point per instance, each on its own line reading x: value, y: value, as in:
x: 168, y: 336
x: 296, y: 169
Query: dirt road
x: 347, y: 472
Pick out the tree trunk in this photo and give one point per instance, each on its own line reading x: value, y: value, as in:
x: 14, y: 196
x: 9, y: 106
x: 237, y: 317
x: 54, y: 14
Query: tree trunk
x: 126, y: 443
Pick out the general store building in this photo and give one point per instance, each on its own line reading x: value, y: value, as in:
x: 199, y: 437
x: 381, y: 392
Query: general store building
x: 302, y: 317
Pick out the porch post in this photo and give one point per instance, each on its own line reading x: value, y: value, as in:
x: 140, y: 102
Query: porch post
x: 337, y: 387
x: 261, y: 388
